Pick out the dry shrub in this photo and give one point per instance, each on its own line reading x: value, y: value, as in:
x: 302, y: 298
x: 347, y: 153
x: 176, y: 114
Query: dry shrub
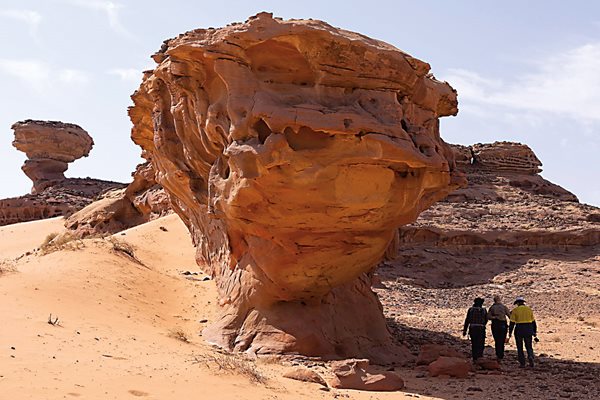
x: 233, y: 363
x: 179, y: 334
x: 122, y: 247
x: 55, y: 242
x: 7, y: 266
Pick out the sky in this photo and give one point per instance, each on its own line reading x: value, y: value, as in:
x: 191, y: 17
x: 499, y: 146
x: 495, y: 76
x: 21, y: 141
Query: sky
x: 526, y: 71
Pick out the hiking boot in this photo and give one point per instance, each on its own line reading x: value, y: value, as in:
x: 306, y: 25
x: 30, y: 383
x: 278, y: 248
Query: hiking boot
x: 521, y: 365
x: 531, y: 363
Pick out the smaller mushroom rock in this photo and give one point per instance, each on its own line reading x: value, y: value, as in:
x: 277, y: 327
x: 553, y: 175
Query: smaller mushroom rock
x: 50, y: 146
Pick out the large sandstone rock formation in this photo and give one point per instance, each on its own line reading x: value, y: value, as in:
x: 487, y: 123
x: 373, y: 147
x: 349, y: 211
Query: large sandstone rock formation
x: 293, y: 150
x: 50, y: 146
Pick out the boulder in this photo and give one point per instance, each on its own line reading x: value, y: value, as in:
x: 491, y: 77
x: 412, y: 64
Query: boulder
x: 488, y: 364
x: 431, y: 352
x: 353, y: 374
x: 293, y: 150
x: 305, y: 375
x: 451, y: 366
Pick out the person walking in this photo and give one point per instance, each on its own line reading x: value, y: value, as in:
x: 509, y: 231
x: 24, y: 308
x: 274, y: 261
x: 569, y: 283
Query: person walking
x: 475, y: 324
x: 497, y: 314
x: 525, y: 327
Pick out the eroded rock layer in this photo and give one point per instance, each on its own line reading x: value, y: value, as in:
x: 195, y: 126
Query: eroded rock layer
x: 50, y: 146
x: 61, y: 199
x: 141, y: 201
x: 293, y: 150
x: 507, y: 206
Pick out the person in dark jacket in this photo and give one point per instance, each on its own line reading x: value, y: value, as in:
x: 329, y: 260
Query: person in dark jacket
x: 497, y: 314
x: 523, y: 323
x: 475, y: 324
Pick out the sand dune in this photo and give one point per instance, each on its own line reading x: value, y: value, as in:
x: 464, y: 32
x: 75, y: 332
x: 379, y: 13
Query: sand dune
x: 117, y: 318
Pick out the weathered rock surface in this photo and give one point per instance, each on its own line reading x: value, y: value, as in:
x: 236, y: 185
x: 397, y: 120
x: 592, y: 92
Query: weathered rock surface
x: 488, y: 364
x: 450, y: 366
x: 293, y: 150
x: 61, y: 199
x: 507, y: 205
x: 354, y: 374
x: 50, y: 146
x: 305, y: 375
x: 431, y: 352
x: 141, y: 201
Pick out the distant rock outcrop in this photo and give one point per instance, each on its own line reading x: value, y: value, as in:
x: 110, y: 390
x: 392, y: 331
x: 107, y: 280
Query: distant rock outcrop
x: 506, y: 205
x: 50, y: 146
x: 293, y: 150
x: 141, y: 201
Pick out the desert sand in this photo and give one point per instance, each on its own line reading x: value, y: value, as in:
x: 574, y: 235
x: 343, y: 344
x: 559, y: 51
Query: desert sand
x: 130, y: 327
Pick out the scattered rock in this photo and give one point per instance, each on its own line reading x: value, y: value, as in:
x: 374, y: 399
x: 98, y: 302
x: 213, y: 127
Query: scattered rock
x: 488, y: 364
x: 431, y: 352
x: 305, y: 375
x: 451, y: 366
x: 353, y: 374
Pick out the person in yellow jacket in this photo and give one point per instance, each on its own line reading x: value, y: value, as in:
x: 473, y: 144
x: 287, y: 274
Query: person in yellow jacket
x: 523, y: 323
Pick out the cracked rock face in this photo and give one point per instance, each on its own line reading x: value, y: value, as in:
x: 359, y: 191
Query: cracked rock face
x: 50, y: 146
x: 293, y: 151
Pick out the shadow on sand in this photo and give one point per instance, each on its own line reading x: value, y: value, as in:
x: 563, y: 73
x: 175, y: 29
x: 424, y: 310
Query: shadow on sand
x: 552, y: 378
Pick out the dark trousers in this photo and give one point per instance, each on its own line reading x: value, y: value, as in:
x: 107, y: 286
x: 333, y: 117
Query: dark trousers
x: 524, y: 334
x: 477, y: 334
x: 499, y: 331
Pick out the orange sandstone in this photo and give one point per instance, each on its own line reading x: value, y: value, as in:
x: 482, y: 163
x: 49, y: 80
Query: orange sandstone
x: 293, y: 151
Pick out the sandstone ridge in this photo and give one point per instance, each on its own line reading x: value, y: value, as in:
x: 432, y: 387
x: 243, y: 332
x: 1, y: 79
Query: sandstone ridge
x: 293, y: 150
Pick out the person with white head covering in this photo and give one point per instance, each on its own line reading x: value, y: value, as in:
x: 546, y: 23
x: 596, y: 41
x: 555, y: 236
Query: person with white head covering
x: 523, y: 323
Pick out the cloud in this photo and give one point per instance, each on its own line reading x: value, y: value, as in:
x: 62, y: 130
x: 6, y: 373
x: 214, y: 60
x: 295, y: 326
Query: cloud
x: 110, y: 9
x: 31, y: 18
x: 34, y: 74
x: 127, y: 74
x: 40, y: 77
x: 566, y: 84
x: 73, y: 76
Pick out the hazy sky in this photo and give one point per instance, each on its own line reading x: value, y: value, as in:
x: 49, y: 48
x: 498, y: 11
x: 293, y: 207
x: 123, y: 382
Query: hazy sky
x: 526, y: 71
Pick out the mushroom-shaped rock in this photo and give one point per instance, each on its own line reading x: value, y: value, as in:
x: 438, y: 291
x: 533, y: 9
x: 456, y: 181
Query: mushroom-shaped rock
x: 293, y: 151
x: 49, y: 146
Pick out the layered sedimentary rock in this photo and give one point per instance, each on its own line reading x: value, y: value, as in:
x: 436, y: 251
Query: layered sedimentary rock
x: 61, y: 199
x: 293, y: 150
x: 506, y: 207
x: 50, y: 146
x: 141, y: 201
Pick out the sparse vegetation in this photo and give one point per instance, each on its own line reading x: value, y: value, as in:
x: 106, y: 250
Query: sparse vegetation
x: 5, y: 266
x: 53, y: 322
x: 179, y: 334
x: 122, y: 247
x: 231, y: 364
x: 55, y: 242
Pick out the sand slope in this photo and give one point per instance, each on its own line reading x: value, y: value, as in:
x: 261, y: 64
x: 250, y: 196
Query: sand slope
x: 116, y: 316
